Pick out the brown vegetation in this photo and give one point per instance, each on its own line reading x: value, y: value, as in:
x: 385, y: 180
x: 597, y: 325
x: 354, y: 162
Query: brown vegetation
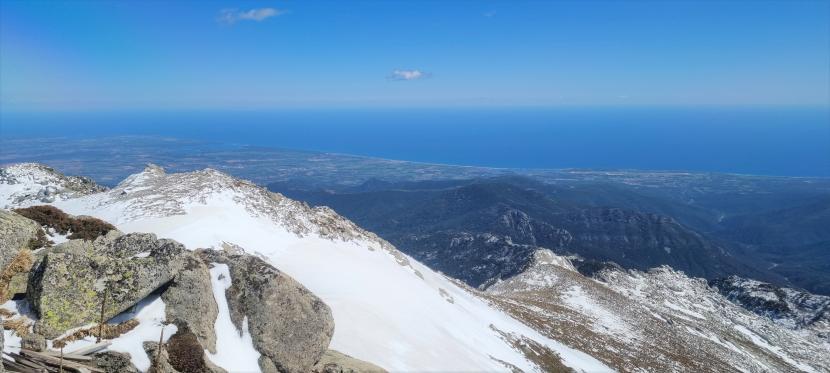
x: 48, y: 216
x: 19, y: 325
x: 85, y: 227
x: 545, y: 358
x: 108, y: 331
x: 185, y: 353
x: 39, y: 241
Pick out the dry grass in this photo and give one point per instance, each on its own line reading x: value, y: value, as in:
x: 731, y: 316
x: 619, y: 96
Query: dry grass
x: 21, y: 263
x: 658, y: 349
x: 109, y: 331
x: 18, y: 325
x: 545, y: 358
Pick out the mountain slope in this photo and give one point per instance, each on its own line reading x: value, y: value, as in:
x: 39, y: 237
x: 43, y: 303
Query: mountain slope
x: 388, y: 309
x: 790, y: 307
x: 660, y: 320
x: 485, y: 230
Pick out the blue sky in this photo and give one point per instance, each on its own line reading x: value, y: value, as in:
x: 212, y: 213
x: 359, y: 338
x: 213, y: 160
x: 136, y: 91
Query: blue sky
x: 98, y: 55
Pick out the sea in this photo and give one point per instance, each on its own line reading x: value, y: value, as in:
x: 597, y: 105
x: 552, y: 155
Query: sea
x: 785, y: 141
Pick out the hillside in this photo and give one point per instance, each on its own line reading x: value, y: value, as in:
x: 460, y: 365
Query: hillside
x: 483, y: 230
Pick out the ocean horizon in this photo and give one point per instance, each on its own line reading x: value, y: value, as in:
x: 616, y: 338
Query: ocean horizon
x: 759, y: 141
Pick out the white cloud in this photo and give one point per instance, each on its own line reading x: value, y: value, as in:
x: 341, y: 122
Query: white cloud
x: 231, y: 16
x: 408, y: 75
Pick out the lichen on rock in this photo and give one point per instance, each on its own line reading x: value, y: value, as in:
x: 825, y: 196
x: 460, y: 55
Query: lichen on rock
x: 69, y: 285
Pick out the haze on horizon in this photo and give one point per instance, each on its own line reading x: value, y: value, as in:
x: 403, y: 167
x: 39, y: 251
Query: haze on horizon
x: 107, y: 55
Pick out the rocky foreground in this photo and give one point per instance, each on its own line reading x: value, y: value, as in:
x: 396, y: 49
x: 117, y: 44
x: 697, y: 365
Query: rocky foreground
x: 75, y: 287
x: 229, y: 276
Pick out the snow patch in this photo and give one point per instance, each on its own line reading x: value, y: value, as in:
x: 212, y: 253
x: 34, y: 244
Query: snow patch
x: 683, y: 310
x: 235, y: 350
x: 604, y: 319
x: 150, y: 314
x: 761, y: 342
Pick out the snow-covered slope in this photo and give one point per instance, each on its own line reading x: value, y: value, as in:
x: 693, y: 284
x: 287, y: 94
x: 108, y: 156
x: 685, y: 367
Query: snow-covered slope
x: 27, y: 184
x: 660, y: 320
x: 388, y: 309
x: 792, y: 308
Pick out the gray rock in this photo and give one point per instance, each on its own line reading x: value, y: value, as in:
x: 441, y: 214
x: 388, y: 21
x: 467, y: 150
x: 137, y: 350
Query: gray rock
x: 67, y: 286
x: 212, y: 368
x: 15, y: 234
x: 189, y: 301
x: 336, y: 362
x: 115, y: 362
x: 266, y: 365
x: 290, y: 326
x: 18, y: 284
x: 2, y: 343
x: 34, y: 342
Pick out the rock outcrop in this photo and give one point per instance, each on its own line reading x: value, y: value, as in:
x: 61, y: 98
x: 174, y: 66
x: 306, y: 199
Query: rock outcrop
x: 67, y: 287
x: 18, y: 235
x: 189, y: 302
x: 115, y: 362
x: 336, y: 362
x: 2, y: 344
x: 34, y: 342
x: 290, y: 326
x: 16, y: 232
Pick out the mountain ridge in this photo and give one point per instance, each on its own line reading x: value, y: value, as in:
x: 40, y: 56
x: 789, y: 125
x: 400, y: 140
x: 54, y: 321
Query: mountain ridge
x: 373, y: 290
x: 378, y: 294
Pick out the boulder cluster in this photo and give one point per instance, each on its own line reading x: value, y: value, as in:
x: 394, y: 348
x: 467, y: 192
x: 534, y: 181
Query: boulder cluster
x: 90, y: 280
